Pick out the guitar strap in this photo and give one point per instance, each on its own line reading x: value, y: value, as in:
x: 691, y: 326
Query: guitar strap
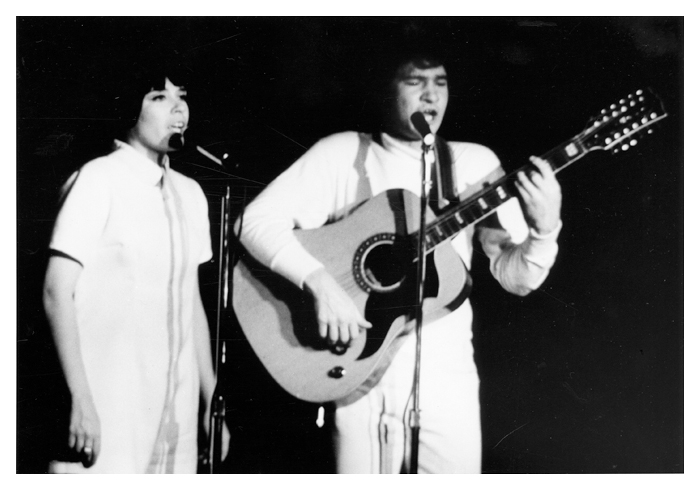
x: 444, y: 191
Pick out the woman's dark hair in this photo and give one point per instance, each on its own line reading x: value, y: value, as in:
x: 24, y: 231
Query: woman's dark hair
x: 139, y: 77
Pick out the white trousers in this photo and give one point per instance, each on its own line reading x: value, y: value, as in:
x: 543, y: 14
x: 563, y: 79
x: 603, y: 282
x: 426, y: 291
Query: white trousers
x: 373, y: 435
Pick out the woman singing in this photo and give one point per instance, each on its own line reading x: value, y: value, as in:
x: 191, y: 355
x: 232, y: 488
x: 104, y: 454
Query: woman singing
x: 122, y: 297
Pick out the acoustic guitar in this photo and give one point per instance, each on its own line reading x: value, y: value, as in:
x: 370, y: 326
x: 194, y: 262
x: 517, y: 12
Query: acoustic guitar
x: 372, y: 255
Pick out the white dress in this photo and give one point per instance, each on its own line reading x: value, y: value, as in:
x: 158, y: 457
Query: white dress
x: 140, y: 233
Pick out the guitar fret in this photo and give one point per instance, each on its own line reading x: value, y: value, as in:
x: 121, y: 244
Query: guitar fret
x: 451, y: 226
x: 437, y: 232
x: 564, y: 154
x: 489, y: 201
x: 502, y: 194
x: 471, y: 212
x: 558, y: 159
x: 493, y: 198
x: 429, y: 242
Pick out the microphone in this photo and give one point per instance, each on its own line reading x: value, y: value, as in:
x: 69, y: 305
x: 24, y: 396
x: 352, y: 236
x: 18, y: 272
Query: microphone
x: 419, y: 122
x: 177, y: 142
x: 211, y: 157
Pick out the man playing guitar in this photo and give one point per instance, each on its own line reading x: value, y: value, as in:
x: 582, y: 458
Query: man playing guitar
x: 325, y: 185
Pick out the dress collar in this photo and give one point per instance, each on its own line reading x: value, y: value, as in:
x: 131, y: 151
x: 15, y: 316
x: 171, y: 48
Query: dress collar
x: 145, y: 169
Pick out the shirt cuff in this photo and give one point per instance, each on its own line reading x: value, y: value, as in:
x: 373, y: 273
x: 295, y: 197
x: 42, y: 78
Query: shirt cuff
x: 542, y: 249
x: 294, y: 263
x: 547, y: 236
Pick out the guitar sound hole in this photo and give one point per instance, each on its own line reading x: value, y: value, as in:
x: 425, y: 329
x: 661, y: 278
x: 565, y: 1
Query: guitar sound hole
x: 384, y: 265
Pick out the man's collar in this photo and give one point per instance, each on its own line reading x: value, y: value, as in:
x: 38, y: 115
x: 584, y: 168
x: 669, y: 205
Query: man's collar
x: 391, y: 143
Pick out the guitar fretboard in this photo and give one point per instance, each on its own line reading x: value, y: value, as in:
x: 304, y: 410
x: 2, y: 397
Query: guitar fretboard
x: 612, y: 130
x: 487, y: 200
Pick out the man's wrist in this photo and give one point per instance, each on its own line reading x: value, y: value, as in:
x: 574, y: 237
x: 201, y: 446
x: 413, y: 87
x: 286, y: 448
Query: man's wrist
x: 543, y: 234
x: 312, y: 281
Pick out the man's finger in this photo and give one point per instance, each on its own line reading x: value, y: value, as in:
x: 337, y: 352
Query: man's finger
x: 344, y: 333
x: 333, y: 333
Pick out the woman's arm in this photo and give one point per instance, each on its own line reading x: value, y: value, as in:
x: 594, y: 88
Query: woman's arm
x: 59, y: 303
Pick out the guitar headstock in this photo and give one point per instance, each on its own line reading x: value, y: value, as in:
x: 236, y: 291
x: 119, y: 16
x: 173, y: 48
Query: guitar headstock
x: 620, y: 126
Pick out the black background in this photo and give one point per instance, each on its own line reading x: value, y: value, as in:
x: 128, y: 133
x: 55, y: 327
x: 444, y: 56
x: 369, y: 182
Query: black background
x: 583, y: 376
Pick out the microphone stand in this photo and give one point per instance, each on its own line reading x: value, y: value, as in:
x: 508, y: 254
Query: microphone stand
x: 218, y: 403
x: 414, y: 415
x: 217, y: 414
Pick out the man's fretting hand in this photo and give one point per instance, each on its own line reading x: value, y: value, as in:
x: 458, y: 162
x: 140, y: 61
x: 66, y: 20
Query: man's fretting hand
x: 541, y: 197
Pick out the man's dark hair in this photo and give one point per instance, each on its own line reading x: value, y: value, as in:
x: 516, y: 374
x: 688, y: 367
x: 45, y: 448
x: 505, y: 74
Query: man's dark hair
x: 408, y: 42
x: 409, y: 45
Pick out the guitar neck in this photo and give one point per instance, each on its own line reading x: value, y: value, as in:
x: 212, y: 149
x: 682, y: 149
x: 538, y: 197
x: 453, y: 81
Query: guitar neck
x: 488, y: 199
x: 617, y: 127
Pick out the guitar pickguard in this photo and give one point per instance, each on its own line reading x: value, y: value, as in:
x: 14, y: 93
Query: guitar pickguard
x: 383, y: 308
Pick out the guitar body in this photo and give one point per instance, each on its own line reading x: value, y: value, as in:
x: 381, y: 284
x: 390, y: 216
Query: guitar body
x: 368, y: 256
